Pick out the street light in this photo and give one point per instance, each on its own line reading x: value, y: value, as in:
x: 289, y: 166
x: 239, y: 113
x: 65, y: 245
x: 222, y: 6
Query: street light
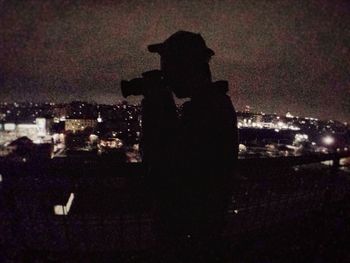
x: 328, y: 140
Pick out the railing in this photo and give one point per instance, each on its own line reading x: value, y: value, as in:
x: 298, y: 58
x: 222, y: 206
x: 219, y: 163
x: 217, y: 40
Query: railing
x: 67, y: 206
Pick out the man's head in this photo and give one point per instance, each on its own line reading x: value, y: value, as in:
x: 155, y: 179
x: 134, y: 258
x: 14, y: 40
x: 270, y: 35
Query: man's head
x: 184, y: 62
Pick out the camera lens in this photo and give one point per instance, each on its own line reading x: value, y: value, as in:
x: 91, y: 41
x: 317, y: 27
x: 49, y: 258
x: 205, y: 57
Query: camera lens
x: 133, y: 87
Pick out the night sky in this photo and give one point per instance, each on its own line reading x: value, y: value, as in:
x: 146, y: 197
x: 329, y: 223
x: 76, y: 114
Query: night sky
x: 278, y: 56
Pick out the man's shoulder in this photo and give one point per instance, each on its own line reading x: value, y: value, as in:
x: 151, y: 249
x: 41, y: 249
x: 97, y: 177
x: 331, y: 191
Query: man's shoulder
x: 220, y: 101
x: 216, y: 110
x: 213, y: 99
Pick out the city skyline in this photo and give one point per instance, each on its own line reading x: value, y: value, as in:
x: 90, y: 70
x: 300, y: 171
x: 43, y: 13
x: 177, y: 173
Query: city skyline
x: 277, y: 57
x: 247, y: 109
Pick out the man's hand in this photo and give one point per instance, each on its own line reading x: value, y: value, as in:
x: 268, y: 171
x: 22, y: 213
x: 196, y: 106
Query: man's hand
x: 157, y: 92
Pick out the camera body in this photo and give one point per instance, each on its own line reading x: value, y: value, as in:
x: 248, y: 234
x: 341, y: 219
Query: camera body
x: 140, y: 86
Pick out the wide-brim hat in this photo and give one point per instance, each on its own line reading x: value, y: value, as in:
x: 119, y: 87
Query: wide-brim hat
x: 183, y: 43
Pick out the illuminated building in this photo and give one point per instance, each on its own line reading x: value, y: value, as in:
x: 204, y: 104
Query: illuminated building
x: 43, y: 125
x: 28, y: 130
x: 75, y: 125
x: 111, y: 143
x: 289, y: 115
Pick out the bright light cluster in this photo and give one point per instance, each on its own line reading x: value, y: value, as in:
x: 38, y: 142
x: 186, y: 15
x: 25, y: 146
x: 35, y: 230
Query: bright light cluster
x: 328, y: 140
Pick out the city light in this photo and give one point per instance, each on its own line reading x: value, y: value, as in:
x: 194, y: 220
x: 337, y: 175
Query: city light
x: 301, y: 137
x: 99, y: 118
x: 328, y: 140
x: 45, y: 125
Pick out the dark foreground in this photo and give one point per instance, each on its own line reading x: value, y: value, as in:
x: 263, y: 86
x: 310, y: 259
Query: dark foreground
x: 322, y: 237
x: 280, y: 212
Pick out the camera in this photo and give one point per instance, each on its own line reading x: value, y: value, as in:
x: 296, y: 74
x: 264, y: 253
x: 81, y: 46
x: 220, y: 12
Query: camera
x: 140, y: 86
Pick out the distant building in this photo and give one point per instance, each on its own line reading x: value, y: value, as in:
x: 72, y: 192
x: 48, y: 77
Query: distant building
x: 2, y: 116
x: 37, y: 132
x: 247, y: 109
x: 27, y: 130
x: 24, y: 147
x: 60, y: 111
x: 44, y: 126
x: 111, y: 143
x: 9, y: 126
x: 289, y: 115
x: 75, y: 125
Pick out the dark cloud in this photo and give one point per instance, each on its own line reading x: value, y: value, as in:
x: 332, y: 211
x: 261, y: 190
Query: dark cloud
x: 277, y: 55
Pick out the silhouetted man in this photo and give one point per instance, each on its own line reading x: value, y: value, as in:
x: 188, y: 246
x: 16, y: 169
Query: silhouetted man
x: 191, y: 155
